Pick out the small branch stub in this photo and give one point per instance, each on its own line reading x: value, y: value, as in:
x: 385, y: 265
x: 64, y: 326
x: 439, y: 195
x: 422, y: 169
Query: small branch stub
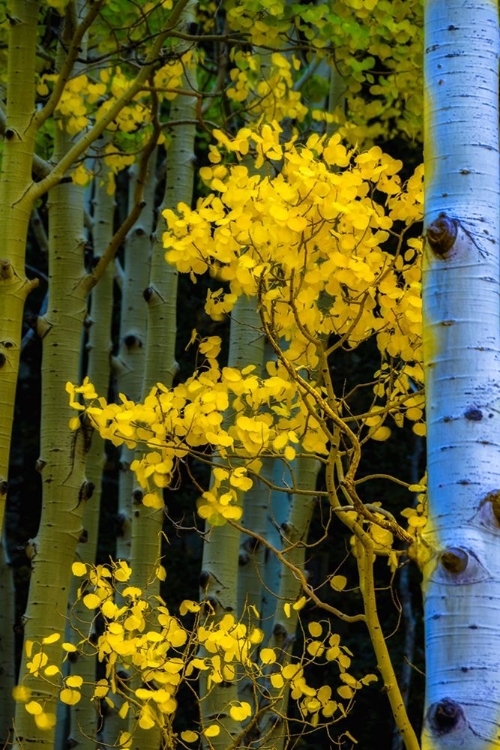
x: 445, y: 716
x: 441, y: 234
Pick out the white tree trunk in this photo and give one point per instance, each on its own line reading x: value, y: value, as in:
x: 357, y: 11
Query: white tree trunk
x: 460, y: 553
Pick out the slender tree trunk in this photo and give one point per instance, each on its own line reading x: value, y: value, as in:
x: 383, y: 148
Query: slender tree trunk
x: 62, y: 451
x: 160, y: 362
x: 274, y: 727
x: 65, y: 490
x: 129, y: 371
x: 84, y: 723
x: 129, y: 364
x: 221, y: 548
x: 459, y: 549
x: 17, y: 159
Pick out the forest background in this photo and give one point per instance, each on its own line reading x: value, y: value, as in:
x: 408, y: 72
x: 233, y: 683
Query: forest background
x: 288, y: 302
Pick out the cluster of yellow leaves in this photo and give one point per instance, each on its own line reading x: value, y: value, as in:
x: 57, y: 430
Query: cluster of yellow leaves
x: 417, y: 515
x: 365, y: 35
x: 309, y: 242
x: 188, y: 417
x: 266, y: 85
x: 86, y: 99
x: 39, y: 666
x: 141, y: 636
x: 81, y: 94
x: 78, y: 97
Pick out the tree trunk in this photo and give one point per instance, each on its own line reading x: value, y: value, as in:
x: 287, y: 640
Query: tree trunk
x: 62, y: 451
x: 17, y: 160
x: 221, y: 548
x: 160, y: 362
x: 83, y: 716
x: 459, y: 549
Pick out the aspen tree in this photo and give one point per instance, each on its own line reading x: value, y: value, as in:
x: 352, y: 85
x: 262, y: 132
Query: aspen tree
x: 62, y: 457
x: 160, y: 365
x: 15, y: 176
x: 459, y: 548
x: 84, y: 718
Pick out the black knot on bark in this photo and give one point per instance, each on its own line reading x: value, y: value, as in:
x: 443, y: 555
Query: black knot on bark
x: 137, y: 496
x: 442, y: 233
x: 445, y: 716
x: 474, y: 414
x: 454, y: 560
x: 132, y: 342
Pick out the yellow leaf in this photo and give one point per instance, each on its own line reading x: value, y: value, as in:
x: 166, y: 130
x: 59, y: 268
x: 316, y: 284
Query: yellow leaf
x: 153, y: 500
x: 69, y: 647
x: 315, y: 629
x: 51, y: 638
x: 189, y: 606
x: 297, y: 223
x: 123, y: 571
x: 70, y: 697
x: 419, y: 429
x: 91, y: 601
x: 277, y: 680
x: 101, y: 689
x: 383, y: 433
x: 51, y: 670
x: 34, y: 708
x: 315, y: 648
x: 146, y: 722
x: 78, y: 569
x: 109, y: 609
x: 291, y: 671
x: 338, y: 583
x: 268, y: 656
x: 122, y: 713
x: 240, y: 711
x: 345, y: 692
x: 417, y: 522
x: 45, y: 721
x: 300, y: 603
x: 417, y: 488
x: 161, y: 573
x: 280, y: 213
x: 212, y: 731
x: 287, y: 609
x: 21, y: 694
x: 124, y: 740
x: 280, y: 441
x: 256, y: 636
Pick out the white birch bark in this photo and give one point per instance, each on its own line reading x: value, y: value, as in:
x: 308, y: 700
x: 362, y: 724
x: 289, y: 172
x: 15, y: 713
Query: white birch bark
x: 460, y: 550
